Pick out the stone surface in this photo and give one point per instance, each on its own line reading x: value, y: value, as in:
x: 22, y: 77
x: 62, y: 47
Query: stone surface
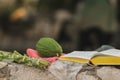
x: 2, y: 64
x: 65, y: 70
x: 22, y: 72
x: 16, y: 71
x: 3, y: 78
x: 109, y: 73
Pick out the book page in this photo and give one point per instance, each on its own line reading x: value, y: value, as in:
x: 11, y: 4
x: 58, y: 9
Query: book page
x: 112, y: 52
x: 81, y: 54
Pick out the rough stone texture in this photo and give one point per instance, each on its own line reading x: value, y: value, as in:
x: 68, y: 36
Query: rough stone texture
x: 109, y: 73
x: 22, y: 72
x: 65, y: 70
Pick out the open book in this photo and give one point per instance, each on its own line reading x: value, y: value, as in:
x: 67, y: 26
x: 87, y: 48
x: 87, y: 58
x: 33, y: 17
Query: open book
x: 107, y: 57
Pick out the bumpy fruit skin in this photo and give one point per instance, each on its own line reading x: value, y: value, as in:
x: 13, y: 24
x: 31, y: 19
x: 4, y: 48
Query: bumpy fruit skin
x: 48, y: 47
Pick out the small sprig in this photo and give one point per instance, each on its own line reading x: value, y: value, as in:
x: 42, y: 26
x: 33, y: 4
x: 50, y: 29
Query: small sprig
x: 23, y: 59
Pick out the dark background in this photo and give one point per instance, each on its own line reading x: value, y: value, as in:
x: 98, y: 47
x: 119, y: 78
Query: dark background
x: 75, y: 24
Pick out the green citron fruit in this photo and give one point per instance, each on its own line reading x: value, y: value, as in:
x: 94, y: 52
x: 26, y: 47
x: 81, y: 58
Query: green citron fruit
x: 48, y: 47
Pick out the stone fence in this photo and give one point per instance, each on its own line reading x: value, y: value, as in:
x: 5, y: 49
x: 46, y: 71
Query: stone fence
x: 69, y: 71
